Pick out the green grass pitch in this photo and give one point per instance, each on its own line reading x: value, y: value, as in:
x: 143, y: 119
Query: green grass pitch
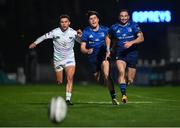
x: 26, y: 105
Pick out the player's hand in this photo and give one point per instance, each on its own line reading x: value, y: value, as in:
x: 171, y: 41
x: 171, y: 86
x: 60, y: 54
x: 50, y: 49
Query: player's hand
x: 107, y: 55
x: 128, y: 44
x: 33, y: 45
x: 79, y: 33
x: 90, y: 51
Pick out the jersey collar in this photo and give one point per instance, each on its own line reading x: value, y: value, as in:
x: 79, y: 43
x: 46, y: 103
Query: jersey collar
x: 65, y: 30
x: 124, y: 25
x: 97, y: 30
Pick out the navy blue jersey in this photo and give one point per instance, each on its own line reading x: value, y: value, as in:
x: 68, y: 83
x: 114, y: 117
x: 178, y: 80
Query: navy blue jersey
x: 124, y: 33
x: 94, y: 39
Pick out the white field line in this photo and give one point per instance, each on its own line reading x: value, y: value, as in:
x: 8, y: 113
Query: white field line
x: 153, y: 98
x: 131, y: 102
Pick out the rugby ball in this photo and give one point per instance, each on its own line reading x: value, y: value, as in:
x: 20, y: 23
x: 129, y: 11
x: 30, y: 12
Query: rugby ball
x: 57, y: 109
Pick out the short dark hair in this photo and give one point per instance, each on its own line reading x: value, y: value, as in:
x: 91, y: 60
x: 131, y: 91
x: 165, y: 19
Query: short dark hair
x: 90, y: 13
x: 124, y: 10
x: 64, y: 16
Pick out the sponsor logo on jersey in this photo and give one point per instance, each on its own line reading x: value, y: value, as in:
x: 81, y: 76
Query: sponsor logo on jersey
x: 102, y: 34
x: 97, y: 39
x: 124, y: 35
x: 57, y: 37
x: 64, y: 44
x: 91, y: 42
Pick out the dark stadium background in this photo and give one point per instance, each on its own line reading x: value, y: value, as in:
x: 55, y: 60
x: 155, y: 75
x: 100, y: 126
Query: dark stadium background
x: 22, y: 21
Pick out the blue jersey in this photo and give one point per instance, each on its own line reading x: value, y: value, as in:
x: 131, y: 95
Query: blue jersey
x: 94, y: 39
x: 124, y: 33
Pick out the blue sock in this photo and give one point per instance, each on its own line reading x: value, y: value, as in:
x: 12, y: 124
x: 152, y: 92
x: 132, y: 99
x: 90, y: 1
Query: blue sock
x: 123, y: 88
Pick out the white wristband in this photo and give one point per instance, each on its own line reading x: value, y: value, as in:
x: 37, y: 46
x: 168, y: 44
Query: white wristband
x: 107, y: 49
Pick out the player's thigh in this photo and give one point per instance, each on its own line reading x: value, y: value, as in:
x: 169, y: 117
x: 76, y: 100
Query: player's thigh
x: 59, y: 72
x: 121, y: 66
x: 131, y: 59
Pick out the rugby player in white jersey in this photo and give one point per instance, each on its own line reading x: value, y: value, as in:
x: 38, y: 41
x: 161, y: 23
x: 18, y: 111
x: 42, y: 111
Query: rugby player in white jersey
x: 63, y: 40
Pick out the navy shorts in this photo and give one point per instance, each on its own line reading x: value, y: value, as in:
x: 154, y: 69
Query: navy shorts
x: 96, y: 58
x: 129, y: 56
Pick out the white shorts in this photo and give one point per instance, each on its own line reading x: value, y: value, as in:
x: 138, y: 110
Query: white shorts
x: 59, y: 66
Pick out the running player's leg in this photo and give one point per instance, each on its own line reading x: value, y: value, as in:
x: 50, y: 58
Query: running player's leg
x: 69, y: 70
x: 94, y: 67
x: 131, y: 75
x: 59, y: 77
x: 121, y: 66
x: 59, y: 74
x: 131, y: 64
x: 108, y: 81
x: 97, y: 76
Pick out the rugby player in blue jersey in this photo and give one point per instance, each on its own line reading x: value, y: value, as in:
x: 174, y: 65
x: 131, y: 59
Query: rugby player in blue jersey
x: 93, y: 44
x: 127, y: 35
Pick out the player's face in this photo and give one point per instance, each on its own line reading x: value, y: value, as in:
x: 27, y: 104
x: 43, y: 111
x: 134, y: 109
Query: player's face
x: 123, y: 17
x: 64, y: 24
x: 93, y: 21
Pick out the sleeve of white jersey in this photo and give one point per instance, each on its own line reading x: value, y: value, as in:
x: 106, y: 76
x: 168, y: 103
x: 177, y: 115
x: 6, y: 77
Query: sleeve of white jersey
x: 48, y: 35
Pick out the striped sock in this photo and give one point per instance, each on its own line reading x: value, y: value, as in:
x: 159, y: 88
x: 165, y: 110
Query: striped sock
x: 123, y: 88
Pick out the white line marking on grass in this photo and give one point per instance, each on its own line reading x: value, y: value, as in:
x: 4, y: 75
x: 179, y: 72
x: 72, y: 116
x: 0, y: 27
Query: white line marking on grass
x: 131, y: 102
x: 154, y: 98
x: 140, y: 102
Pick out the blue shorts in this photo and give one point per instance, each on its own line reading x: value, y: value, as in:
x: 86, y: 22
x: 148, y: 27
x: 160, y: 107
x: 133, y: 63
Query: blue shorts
x: 96, y: 58
x: 129, y: 56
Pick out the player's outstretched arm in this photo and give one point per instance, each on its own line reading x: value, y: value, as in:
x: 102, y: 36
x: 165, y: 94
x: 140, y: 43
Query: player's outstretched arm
x: 40, y: 39
x: 32, y: 45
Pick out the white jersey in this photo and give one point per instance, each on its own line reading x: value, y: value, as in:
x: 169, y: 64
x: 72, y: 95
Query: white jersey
x: 63, y: 44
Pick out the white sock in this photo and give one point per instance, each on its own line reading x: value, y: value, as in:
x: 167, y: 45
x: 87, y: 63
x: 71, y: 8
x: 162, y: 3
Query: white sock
x: 68, y: 96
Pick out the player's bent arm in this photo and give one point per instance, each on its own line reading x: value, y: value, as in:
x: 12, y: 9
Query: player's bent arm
x: 78, y: 36
x: 139, y: 39
x: 83, y: 48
